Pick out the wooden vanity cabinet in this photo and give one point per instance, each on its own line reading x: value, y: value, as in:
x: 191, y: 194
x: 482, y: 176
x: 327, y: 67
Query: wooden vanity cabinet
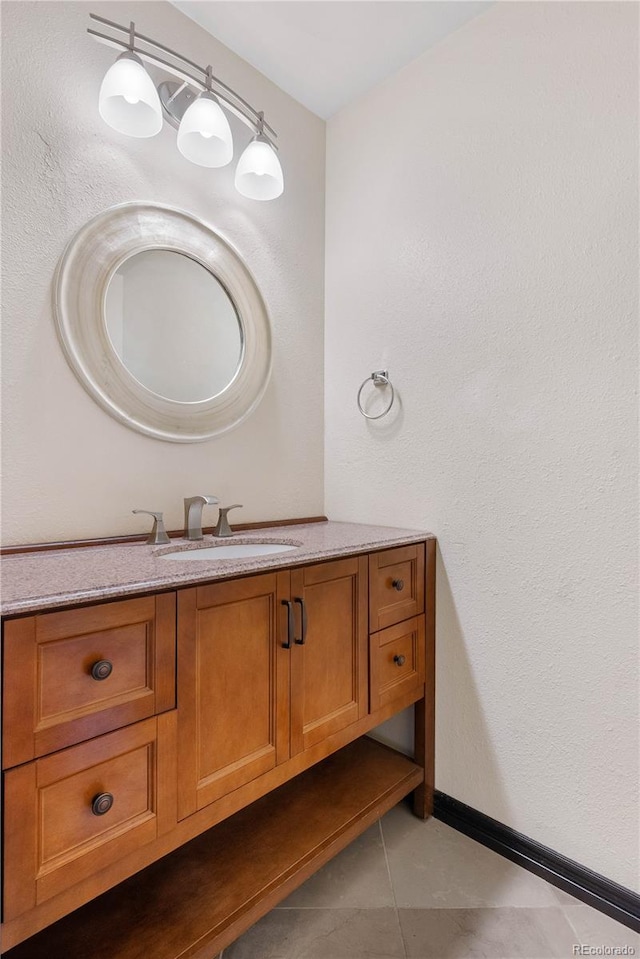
x: 142, y: 736
x: 270, y: 665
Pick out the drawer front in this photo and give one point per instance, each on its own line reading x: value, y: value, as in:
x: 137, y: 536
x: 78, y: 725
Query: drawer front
x: 73, y: 675
x: 397, y: 662
x: 396, y: 585
x: 73, y: 813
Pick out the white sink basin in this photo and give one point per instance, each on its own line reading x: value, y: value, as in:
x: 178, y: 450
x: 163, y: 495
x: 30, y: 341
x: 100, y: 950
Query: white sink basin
x: 230, y: 551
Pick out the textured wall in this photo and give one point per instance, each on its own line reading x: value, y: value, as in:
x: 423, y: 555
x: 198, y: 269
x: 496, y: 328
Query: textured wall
x: 482, y: 243
x: 70, y: 470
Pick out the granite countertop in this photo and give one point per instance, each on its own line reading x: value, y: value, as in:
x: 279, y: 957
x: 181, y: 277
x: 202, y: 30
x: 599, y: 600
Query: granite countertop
x: 33, y: 582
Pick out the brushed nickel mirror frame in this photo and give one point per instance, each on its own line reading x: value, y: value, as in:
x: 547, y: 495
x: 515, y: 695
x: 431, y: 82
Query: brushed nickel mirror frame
x: 80, y: 287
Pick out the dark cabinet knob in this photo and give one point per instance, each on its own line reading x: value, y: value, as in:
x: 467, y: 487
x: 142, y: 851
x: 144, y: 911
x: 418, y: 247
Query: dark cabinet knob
x: 101, y: 804
x: 398, y: 584
x: 399, y: 660
x: 102, y: 669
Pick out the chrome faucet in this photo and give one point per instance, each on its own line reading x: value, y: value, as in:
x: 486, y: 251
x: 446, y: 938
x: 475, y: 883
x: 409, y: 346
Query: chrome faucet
x: 193, y: 506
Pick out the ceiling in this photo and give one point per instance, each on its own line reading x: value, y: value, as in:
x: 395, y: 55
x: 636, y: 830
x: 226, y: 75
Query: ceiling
x: 325, y: 53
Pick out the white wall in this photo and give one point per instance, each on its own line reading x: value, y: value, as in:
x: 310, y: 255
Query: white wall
x: 482, y: 243
x: 70, y: 469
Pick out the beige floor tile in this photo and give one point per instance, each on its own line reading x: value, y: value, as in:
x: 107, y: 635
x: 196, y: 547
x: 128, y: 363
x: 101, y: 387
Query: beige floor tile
x: 434, y: 866
x: 593, y: 928
x: 497, y: 933
x: 356, y: 878
x: 322, y: 934
x: 564, y: 898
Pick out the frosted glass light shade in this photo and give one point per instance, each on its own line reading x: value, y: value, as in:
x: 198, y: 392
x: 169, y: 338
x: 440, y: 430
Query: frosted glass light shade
x: 259, y: 174
x: 204, y: 135
x: 129, y: 101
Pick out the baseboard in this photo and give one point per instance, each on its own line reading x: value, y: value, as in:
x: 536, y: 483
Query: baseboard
x: 588, y: 886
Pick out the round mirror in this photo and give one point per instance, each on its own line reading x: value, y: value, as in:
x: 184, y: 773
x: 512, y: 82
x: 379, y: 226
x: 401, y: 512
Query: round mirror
x: 162, y: 322
x: 173, y: 325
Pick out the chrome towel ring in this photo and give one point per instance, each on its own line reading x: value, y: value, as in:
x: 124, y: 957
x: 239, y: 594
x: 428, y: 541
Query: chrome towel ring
x: 380, y: 378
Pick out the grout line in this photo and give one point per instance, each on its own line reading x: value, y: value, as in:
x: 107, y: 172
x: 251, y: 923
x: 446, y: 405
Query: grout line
x: 330, y: 908
x: 393, y: 891
x: 386, y: 859
x: 571, y: 925
x: 584, y: 905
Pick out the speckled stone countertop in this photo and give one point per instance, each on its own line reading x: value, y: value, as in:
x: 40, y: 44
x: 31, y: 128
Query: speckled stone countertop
x: 32, y: 582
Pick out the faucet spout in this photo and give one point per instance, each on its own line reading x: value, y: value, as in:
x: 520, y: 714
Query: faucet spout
x: 193, y: 506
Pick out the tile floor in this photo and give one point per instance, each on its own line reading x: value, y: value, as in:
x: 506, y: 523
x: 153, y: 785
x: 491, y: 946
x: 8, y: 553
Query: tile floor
x: 413, y: 890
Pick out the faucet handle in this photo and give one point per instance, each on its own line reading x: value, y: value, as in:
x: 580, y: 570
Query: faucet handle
x: 222, y: 526
x: 158, y: 533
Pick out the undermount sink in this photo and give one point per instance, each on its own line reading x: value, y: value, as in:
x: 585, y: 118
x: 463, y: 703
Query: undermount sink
x: 229, y: 551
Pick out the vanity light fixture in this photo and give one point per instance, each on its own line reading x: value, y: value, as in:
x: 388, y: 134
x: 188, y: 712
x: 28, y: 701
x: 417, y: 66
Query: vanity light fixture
x: 128, y: 100
x: 130, y: 103
x: 259, y: 174
x: 204, y: 134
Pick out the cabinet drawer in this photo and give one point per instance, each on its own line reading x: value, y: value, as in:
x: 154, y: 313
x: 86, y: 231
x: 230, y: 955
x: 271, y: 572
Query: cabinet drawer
x: 72, y: 675
x: 396, y: 661
x: 396, y: 585
x: 71, y: 814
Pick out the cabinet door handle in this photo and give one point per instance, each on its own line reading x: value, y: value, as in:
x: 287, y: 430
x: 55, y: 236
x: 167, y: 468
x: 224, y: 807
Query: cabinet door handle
x: 303, y: 620
x: 398, y: 584
x: 290, y: 623
x: 101, y: 804
x: 102, y: 669
x: 399, y: 660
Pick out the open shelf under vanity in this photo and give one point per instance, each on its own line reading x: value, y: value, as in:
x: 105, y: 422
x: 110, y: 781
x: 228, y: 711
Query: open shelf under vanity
x: 202, y: 896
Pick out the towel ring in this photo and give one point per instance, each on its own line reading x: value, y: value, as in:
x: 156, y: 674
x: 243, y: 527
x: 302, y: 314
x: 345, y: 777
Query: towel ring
x: 380, y: 378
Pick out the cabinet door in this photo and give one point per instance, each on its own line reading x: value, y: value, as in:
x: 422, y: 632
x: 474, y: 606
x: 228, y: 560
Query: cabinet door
x: 329, y: 668
x: 233, y: 686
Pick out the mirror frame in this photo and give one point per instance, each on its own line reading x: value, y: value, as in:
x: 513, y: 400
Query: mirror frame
x: 80, y: 287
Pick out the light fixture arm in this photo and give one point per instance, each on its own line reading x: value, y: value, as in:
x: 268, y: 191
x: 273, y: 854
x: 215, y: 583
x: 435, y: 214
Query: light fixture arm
x: 177, y: 92
x: 203, y: 80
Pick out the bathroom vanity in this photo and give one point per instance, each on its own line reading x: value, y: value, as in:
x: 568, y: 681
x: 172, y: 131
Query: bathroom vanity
x: 184, y: 743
